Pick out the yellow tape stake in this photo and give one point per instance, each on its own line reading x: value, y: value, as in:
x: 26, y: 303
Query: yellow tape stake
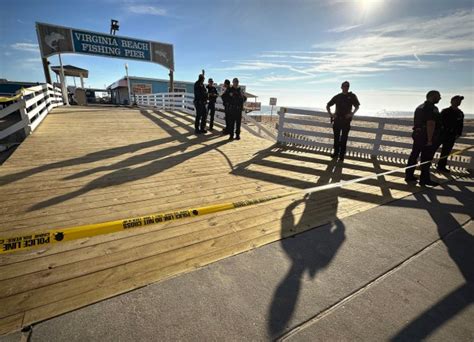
x: 48, y: 237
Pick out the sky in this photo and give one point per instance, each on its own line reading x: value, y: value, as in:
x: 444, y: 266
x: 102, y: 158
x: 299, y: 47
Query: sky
x: 299, y: 51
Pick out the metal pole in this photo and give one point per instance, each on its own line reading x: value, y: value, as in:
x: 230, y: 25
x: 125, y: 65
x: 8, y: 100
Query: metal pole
x: 128, y: 85
x: 82, y: 82
x: 63, y: 83
x: 47, y: 75
x: 171, y: 82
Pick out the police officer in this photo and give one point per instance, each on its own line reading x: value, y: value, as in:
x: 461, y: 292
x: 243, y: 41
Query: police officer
x: 225, y: 102
x: 236, y: 99
x: 452, y: 119
x: 200, y: 99
x: 211, y: 106
x: 425, y: 137
x: 342, y: 118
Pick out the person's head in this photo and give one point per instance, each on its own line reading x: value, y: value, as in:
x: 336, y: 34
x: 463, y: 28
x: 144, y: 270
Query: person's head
x: 345, y: 87
x: 433, y: 96
x: 456, y: 100
x: 201, y: 78
x: 235, y: 82
x: 227, y: 83
x: 210, y: 81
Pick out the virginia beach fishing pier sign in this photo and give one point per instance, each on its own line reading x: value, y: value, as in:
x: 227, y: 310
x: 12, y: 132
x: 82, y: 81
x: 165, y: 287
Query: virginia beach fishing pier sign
x: 55, y: 39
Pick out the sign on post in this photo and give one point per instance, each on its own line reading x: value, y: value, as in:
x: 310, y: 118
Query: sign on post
x: 273, y: 101
x: 55, y: 39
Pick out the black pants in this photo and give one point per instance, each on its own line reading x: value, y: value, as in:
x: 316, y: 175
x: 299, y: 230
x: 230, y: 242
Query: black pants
x: 426, y: 152
x: 235, y: 119
x: 341, y: 133
x: 448, y: 143
x: 227, y: 120
x: 201, y: 114
x: 211, y: 110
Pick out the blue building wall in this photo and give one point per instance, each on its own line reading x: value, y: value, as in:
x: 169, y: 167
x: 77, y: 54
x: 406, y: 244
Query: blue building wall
x: 158, y: 86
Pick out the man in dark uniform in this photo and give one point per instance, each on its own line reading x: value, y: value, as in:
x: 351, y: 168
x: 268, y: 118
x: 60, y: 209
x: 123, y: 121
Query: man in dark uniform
x: 200, y: 99
x: 452, y: 119
x: 425, y: 136
x: 211, y: 106
x: 236, y: 99
x: 342, y: 118
x: 225, y: 102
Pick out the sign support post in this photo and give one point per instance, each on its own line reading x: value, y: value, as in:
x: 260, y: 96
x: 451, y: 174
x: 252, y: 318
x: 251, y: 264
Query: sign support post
x: 63, y: 82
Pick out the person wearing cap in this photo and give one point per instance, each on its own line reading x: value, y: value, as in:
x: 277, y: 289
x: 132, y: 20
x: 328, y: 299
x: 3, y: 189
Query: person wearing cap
x: 425, y: 138
x: 236, y: 99
x: 211, y: 106
x: 452, y: 119
x: 342, y: 118
x: 200, y: 99
x: 225, y: 102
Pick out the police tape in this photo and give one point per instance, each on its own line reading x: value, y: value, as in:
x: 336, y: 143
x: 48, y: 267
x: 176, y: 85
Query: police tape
x: 12, y: 98
x: 53, y: 236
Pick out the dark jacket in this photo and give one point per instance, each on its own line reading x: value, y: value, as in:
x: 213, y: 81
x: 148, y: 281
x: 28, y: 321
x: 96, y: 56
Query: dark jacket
x: 200, y: 93
x: 212, y: 94
x: 452, y: 122
x: 235, y: 98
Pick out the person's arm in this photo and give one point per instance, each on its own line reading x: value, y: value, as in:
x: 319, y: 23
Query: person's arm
x: 328, y: 107
x: 460, y: 126
x: 430, y: 128
x: 356, y: 104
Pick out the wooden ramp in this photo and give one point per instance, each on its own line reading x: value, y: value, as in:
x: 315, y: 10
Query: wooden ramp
x: 93, y: 164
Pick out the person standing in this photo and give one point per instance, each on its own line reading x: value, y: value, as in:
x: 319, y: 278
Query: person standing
x: 236, y: 105
x: 341, y: 119
x: 452, y: 119
x: 225, y: 102
x: 425, y: 137
x: 211, y: 106
x: 200, y: 99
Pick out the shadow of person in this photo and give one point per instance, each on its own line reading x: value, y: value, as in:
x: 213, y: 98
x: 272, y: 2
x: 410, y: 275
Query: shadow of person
x: 460, y: 247
x: 310, y: 252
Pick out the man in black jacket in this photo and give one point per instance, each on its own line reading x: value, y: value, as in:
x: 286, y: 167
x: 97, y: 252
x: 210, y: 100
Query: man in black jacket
x: 425, y: 137
x: 225, y: 102
x: 235, y: 102
x: 211, y: 106
x: 342, y: 118
x: 200, y: 99
x: 452, y: 119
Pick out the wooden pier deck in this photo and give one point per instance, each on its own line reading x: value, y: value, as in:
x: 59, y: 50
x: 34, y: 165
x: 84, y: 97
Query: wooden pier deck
x: 88, y: 165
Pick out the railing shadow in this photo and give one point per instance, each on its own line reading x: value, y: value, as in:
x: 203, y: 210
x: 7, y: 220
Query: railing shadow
x: 460, y: 247
x: 310, y: 254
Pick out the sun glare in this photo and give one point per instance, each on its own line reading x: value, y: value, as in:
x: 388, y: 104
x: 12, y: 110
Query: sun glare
x: 368, y: 6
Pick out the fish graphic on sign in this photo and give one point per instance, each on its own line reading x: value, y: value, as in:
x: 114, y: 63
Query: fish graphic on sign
x: 162, y: 54
x: 52, y: 40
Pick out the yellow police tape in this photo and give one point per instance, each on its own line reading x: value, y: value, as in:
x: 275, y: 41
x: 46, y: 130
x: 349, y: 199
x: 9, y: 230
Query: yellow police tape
x: 12, y: 98
x: 48, y: 237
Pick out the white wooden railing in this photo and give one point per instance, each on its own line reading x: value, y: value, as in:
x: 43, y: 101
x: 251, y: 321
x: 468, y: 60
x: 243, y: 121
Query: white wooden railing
x: 184, y: 102
x: 33, y: 105
x: 373, y: 136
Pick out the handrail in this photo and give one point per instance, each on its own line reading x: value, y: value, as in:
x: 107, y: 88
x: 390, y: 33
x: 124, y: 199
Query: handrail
x: 376, y: 136
x: 33, y: 105
x: 184, y: 102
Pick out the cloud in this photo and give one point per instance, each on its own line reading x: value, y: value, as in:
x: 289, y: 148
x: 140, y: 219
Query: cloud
x: 147, y: 9
x: 30, y: 47
x: 343, y: 28
x: 461, y: 60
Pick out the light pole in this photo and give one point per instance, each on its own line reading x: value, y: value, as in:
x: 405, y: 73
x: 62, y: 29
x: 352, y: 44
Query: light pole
x: 128, y: 85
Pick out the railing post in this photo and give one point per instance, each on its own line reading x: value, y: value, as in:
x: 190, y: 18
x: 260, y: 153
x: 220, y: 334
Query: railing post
x: 378, y: 137
x: 281, y: 121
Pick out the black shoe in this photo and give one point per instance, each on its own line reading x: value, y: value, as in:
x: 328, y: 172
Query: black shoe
x: 211, y: 128
x: 197, y: 131
x: 202, y: 131
x: 429, y: 183
x: 334, y: 156
x: 224, y: 132
x: 231, y: 138
x: 237, y: 137
x: 410, y: 179
x: 443, y: 169
x: 341, y: 158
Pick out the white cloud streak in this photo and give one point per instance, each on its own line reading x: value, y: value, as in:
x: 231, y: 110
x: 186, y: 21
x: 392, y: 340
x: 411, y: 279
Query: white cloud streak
x: 147, y: 9
x: 26, y: 47
x: 343, y: 28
